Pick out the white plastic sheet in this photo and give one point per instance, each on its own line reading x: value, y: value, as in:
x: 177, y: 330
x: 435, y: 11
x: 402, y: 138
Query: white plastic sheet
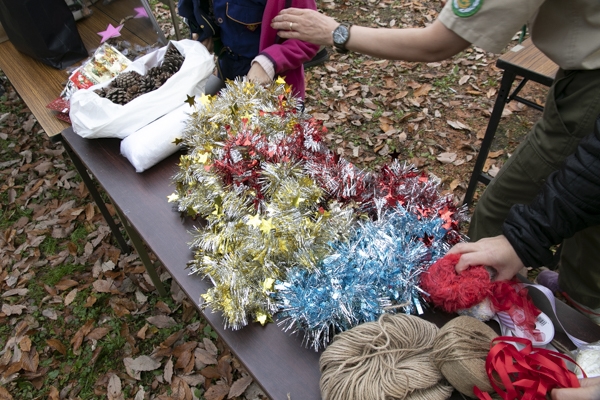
x: 155, y: 141
x: 95, y: 117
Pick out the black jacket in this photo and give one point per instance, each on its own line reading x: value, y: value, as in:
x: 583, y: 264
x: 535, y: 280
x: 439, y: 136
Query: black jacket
x: 567, y: 203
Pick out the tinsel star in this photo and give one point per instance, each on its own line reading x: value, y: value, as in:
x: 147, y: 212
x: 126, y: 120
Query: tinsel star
x: 110, y: 32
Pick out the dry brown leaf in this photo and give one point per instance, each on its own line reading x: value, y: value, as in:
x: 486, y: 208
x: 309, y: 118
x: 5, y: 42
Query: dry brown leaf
x: 210, y: 372
x: 168, y: 372
x: 89, y: 211
x: 173, y: 338
x: 446, y: 158
x: 113, y: 390
x: 25, y: 343
x: 423, y: 90
x: 142, y: 332
x: 15, y: 292
x: 53, y: 393
x: 217, y: 392
x: 369, y: 104
x: 488, y: 163
x: 77, y: 339
x: 161, y: 321
x: 205, y: 357
x: 144, y: 363
x: 458, y: 125
x: 210, y: 346
x: 16, y: 309
x: 239, y: 386
x: 97, y: 333
x: 30, y: 360
x: 454, y: 184
x: 321, y: 116
x: 493, y: 171
x: 224, y: 368
x: 495, y: 154
x: 162, y: 307
x: 65, y: 284
x: 103, y: 285
x: 70, y: 297
x: 463, y: 79
x: 90, y: 301
x: 57, y: 345
x: 181, y: 390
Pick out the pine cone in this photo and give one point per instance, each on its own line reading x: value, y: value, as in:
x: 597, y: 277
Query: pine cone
x: 126, y: 79
x: 172, y: 61
x: 101, y: 92
x: 146, y: 84
x: 117, y: 95
x: 161, y: 79
x: 154, y: 72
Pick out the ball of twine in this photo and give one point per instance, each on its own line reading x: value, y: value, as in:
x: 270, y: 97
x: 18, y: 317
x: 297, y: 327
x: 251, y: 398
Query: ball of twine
x: 459, y: 352
x: 386, y: 359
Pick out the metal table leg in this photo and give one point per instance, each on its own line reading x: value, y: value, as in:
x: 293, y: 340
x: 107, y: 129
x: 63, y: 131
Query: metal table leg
x: 91, y: 187
x: 507, y: 80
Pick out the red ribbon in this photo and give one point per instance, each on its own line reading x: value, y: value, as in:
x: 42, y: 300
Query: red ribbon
x: 527, y: 374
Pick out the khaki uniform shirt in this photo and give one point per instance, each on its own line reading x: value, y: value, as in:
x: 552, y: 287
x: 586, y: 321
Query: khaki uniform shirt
x: 566, y: 31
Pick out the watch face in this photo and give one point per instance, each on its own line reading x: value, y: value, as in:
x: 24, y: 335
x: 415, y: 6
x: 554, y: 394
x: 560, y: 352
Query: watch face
x: 340, y: 34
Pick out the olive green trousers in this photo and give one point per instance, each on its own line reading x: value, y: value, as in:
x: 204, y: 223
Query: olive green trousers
x: 572, y: 106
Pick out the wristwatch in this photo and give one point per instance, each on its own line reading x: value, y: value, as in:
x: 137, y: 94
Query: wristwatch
x: 341, y: 35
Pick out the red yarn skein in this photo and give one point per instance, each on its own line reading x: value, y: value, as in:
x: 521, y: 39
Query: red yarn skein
x: 451, y: 291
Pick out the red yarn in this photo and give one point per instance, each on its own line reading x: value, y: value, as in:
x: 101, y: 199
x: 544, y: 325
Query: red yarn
x: 451, y: 291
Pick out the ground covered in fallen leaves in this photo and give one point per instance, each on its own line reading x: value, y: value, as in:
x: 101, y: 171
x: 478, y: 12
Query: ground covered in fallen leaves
x: 79, y: 319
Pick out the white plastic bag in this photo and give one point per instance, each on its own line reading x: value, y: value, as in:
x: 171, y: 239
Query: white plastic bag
x: 95, y: 117
x: 155, y: 141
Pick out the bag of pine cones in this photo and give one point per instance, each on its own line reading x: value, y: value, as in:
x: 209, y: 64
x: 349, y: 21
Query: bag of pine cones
x: 149, y: 88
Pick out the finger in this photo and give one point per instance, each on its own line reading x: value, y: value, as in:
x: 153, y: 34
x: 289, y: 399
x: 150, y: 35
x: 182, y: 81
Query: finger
x: 582, y: 393
x: 462, y: 264
x: 459, y: 248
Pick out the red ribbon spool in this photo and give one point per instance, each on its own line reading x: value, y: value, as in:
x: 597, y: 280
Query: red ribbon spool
x: 527, y: 374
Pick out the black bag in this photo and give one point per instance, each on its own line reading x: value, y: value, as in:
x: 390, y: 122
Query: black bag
x: 44, y: 30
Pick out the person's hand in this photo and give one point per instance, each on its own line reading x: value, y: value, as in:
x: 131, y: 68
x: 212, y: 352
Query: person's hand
x: 495, y: 252
x: 305, y: 24
x: 258, y: 74
x: 589, y: 390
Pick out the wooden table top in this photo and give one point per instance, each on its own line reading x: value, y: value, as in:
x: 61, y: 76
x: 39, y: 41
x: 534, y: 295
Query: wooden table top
x: 277, y: 360
x: 38, y: 84
x: 528, y: 61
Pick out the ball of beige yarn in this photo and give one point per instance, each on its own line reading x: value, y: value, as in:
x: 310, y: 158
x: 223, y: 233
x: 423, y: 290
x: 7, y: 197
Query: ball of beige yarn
x: 460, y: 350
x: 386, y: 359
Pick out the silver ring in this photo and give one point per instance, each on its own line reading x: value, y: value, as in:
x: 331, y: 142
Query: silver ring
x: 291, y: 24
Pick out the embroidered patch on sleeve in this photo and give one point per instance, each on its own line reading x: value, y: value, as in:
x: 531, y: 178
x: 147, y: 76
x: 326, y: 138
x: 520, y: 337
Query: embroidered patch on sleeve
x: 466, y: 8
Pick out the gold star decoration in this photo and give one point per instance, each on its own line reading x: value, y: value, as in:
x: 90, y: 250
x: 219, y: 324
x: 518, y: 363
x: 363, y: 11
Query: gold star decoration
x: 191, y: 100
x: 205, y: 99
x: 266, y: 225
x: 254, y: 221
x: 173, y: 197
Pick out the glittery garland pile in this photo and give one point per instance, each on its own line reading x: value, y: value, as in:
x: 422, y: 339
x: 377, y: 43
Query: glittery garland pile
x: 244, y: 176
x: 280, y: 206
x: 376, y: 271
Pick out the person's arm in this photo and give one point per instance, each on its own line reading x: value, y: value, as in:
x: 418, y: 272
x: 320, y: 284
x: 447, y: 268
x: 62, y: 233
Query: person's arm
x: 285, y: 54
x: 568, y: 202
x: 432, y: 43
